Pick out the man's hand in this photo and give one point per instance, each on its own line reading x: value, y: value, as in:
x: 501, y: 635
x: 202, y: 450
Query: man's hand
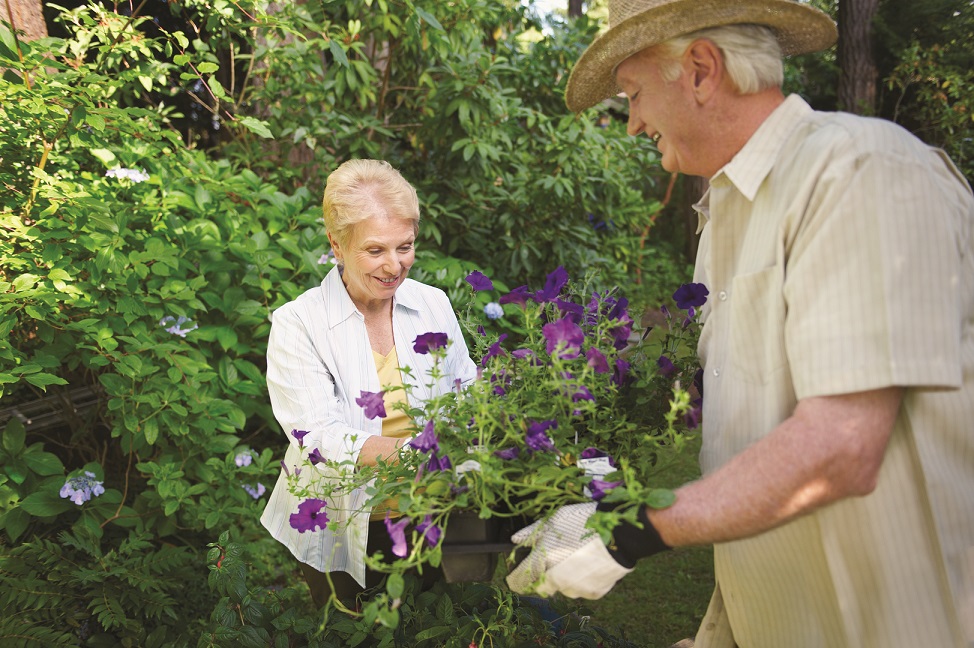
x: 566, y: 557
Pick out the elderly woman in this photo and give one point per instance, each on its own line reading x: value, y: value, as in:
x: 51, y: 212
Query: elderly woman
x: 348, y: 335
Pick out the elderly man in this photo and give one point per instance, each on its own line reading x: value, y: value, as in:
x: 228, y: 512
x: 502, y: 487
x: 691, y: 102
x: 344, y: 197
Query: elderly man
x: 837, y: 347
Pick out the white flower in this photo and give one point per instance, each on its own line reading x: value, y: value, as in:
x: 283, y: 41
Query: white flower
x: 135, y: 175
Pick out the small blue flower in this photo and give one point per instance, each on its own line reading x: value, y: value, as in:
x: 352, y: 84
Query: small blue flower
x: 175, y: 325
x: 493, y: 311
x: 81, y: 489
x: 243, y: 459
x: 257, y: 492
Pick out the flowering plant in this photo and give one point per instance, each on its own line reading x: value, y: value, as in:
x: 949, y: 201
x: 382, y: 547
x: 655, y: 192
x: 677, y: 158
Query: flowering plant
x: 572, y: 404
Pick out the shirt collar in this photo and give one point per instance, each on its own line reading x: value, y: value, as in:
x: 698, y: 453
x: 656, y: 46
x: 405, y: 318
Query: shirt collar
x: 339, y: 306
x: 748, y: 169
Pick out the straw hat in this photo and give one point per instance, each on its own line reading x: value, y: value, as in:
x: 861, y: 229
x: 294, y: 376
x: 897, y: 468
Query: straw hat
x: 635, y: 25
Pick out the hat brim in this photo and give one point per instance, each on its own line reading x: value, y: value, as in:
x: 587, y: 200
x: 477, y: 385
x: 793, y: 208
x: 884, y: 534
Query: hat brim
x: 799, y: 28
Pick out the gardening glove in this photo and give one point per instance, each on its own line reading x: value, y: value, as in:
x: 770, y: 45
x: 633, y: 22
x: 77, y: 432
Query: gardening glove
x: 568, y: 558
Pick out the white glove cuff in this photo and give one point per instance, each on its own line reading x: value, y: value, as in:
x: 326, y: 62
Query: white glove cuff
x: 588, y: 573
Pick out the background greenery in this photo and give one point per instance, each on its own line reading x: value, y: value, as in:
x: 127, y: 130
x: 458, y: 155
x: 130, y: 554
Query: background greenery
x: 236, y: 111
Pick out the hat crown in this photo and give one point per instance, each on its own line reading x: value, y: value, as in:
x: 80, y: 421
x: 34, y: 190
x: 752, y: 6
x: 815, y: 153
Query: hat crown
x: 620, y: 10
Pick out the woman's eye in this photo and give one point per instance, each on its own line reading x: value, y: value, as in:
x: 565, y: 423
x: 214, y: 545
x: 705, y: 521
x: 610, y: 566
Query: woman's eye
x: 405, y: 248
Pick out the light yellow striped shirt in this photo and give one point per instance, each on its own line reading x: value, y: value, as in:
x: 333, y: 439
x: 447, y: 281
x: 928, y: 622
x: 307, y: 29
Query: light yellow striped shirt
x: 839, y: 254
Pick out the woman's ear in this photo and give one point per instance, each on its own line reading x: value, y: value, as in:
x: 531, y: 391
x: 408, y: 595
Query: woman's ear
x: 705, y: 64
x: 335, y: 247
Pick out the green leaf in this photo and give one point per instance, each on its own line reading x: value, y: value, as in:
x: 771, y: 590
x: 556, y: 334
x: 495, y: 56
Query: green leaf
x: 337, y: 52
x: 42, y: 380
x: 13, y: 437
x: 44, y: 463
x: 207, y: 67
x: 257, y: 127
x: 660, y: 498
x: 104, y: 155
x: 395, y: 585
x: 429, y: 18
x: 15, y: 521
x: 44, y: 504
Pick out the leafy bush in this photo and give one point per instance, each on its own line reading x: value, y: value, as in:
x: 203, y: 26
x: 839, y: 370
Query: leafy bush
x: 137, y: 271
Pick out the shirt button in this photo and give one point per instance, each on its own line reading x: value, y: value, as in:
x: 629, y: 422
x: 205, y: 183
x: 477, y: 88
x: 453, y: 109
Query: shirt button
x: 716, y: 373
x: 722, y: 295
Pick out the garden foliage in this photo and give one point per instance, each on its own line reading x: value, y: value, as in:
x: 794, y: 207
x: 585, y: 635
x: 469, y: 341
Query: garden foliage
x: 138, y: 269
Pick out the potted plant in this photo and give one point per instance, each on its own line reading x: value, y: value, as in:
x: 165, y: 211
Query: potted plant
x: 572, y: 405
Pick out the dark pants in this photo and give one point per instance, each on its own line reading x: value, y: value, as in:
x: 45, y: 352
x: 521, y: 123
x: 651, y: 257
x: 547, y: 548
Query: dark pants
x: 347, y: 588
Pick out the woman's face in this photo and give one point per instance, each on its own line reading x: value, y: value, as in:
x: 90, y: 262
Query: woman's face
x: 377, y: 257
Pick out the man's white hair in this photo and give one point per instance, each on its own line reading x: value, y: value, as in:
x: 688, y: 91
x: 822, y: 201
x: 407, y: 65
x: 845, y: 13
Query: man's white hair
x: 752, y: 55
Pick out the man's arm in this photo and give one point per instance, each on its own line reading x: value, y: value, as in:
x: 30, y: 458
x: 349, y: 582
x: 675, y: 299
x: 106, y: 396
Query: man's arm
x: 832, y: 447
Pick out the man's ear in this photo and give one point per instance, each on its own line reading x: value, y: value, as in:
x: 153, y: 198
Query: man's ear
x: 705, y: 64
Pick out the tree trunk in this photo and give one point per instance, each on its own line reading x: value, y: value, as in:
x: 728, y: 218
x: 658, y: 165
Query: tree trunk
x: 26, y: 17
x: 575, y: 9
x: 857, y: 65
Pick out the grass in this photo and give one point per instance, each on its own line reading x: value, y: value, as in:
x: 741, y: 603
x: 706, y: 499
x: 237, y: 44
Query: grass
x: 664, y: 599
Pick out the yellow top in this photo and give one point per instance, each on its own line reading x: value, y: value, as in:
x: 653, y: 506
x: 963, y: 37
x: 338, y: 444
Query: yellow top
x: 396, y: 423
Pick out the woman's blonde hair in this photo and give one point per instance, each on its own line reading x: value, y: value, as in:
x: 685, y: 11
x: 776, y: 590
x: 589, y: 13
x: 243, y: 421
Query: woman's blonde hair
x: 752, y: 55
x: 360, y: 189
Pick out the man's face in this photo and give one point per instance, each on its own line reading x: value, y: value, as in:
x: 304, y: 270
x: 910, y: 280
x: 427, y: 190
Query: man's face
x: 662, y: 109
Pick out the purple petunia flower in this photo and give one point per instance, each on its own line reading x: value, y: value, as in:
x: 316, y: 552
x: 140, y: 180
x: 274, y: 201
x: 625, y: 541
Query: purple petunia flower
x: 315, y: 457
x: 666, y: 311
x: 397, y: 533
x: 537, y: 436
x: 600, y: 488
x: 564, y: 334
x: 299, y: 436
x: 552, y: 286
x: 438, y: 463
x: 311, y: 515
x: 257, y: 492
x: 429, y: 342
x: 692, y: 418
x: 690, y: 294
x: 519, y: 296
x: 479, y: 281
x: 426, y: 440
x: 596, y: 360
x: 494, y: 350
x: 372, y: 403
x: 493, y: 311
x: 571, y: 310
x: 595, y: 453
x: 521, y: 354
x: 666, y: 366
x: 507, y: 454
x: 621, y: 372
x: 481, y: 331
x: 428, y: 530
x: 581, y: 394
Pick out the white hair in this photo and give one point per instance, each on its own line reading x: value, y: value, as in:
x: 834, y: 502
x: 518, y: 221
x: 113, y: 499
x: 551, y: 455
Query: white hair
x: 752, y: 55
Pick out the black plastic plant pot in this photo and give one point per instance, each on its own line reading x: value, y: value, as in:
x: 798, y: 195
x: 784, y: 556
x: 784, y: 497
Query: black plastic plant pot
x: 472, y: 545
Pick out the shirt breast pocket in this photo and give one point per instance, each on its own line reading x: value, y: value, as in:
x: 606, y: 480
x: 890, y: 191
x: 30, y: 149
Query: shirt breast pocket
x: 757, y: 325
